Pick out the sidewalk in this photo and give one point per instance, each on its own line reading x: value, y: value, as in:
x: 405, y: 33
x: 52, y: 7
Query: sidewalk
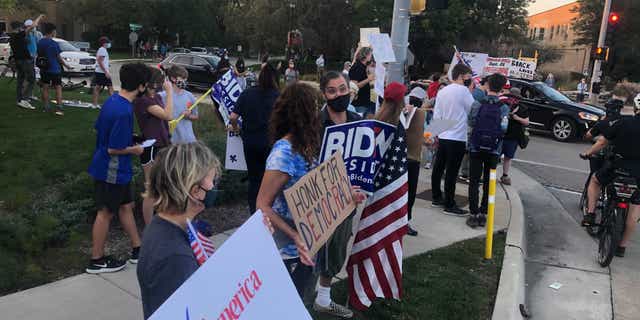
x: 117, y: 295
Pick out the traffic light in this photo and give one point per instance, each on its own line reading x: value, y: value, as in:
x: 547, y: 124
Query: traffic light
x: 417, y: 6
x: 614, y: 19
x: 601, y: 53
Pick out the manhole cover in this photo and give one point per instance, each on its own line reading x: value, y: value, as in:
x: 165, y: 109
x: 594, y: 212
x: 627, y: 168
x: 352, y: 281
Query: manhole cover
x: 461, y: 201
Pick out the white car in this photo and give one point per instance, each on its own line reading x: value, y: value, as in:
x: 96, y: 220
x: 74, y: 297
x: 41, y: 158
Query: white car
x: 79, y: 61
x: 5, y: 50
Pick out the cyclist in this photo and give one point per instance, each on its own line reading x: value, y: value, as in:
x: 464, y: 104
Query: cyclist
x: 613, y: 108
x: 621, y: 134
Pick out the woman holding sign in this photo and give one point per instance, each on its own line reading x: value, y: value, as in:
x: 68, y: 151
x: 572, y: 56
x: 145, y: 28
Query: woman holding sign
x: 294, y: 128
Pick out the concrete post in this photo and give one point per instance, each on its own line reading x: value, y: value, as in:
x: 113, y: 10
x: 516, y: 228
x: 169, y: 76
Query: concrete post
x: 597, y: 64
x: 399, y: 39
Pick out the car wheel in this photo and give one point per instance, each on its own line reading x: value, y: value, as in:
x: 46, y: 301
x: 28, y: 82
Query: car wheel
x: 563, y: 129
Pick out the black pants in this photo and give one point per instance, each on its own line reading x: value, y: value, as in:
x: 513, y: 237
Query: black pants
x: 26, y: 75
x: 300, y: 274
x: 413, y: 171
x: 448, y: 158
x: 256, y: 156
x: 480, y: 164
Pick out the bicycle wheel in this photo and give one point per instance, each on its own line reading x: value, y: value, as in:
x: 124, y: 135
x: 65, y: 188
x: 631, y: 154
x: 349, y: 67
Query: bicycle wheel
x: 610, y: 236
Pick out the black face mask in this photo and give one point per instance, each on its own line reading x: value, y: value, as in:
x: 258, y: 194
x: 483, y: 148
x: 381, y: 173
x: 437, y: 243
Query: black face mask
x: 340, y: 103
x: 467, y: 82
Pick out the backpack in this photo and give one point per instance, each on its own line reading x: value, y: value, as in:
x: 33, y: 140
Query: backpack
x: 487, y: 131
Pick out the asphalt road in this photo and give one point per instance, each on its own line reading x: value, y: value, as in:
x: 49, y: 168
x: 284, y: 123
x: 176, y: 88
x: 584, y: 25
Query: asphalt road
x: 559, y: 250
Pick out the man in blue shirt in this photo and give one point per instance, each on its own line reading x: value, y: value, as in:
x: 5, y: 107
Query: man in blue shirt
x: 52, y: 75
x: 111, y: 167
x: 488, y: 120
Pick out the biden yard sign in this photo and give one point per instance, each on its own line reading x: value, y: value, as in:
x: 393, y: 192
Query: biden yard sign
x: 362, y: 144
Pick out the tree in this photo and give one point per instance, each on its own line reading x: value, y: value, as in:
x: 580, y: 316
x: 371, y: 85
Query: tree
x: 623, y: 57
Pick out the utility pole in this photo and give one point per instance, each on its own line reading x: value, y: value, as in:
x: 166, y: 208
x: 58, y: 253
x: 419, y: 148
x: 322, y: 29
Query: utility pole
x: 597, y: 64
x: 399, y: 39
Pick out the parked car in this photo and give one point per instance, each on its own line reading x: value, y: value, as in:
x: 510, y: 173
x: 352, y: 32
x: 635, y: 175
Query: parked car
x: 199, y: 50
x: 179, y: 50
x: 79, y: 61
x: 5, y: 49
x: 202, y: 68
x: 550, y: 110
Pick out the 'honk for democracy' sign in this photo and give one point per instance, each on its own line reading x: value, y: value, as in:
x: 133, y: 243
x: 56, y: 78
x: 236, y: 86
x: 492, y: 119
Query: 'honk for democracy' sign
x: 320, y: 201
x: 363, y: 145
x: 244, y: 279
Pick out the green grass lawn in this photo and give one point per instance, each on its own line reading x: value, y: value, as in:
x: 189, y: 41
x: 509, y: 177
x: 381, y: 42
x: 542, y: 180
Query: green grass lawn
x: 46, y: 196
x: 449, y: 283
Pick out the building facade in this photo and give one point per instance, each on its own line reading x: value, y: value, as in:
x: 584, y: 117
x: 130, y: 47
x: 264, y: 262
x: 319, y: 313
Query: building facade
x: 553, y: 29
x: 56, y: 12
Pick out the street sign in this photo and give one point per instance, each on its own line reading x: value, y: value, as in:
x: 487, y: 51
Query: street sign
x: 135, y: 27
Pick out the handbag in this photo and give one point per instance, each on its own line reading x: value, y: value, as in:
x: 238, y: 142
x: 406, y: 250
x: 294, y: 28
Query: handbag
x: 523, y: 142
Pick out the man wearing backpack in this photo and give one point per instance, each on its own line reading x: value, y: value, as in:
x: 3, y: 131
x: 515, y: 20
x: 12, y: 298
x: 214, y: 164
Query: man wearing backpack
x: 488, y: 120
x: 24, y: 61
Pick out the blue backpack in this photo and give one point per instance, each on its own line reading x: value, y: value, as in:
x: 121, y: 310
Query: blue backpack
x: 487, y: 131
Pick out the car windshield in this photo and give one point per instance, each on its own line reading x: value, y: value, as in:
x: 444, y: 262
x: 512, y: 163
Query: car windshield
x: 66, y: 46
x: 552, y: 93
x: 213, y: 60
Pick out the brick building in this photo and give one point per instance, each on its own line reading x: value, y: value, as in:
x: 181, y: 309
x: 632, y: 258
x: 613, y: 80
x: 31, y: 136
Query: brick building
x: 552, y: 28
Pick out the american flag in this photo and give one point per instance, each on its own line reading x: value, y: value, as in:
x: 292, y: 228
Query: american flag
x: 375, y: 264
x: 202, y: 246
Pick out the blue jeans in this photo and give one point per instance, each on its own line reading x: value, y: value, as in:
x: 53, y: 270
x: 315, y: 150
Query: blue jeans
x: 26, y: 73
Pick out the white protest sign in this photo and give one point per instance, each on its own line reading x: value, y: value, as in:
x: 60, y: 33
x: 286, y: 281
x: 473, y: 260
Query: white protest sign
x: 381, y: 74
x: 475, y: 60
x: 522, y: 69
x: 364, y: 35
x: 244, y: 279
x: 497, y: 65
x: 234, y: 159
x: 382, y: 48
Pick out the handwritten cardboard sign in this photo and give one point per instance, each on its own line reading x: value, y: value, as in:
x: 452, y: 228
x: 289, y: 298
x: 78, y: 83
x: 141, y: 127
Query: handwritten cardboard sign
x: 320, y: 201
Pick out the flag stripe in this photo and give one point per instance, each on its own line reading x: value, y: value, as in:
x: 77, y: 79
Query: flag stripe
x: 386, y: 190
x: 385, y: 221
x: 380, y: 275
x: 375, y: 217
x: 366, y: 252
x: 361, y: 244
x: 372, y: 278
x: 401, y: 187
x: 395, y: 262
x: 388, y: 272
x: 364, y: 280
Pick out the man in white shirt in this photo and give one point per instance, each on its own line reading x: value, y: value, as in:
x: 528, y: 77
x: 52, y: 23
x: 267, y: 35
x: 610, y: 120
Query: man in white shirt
x: 320, y: 65
x: 454, y: 103
x: 102, y: 76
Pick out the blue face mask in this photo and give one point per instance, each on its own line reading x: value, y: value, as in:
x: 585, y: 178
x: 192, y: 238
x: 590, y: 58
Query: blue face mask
x: 209, y: 200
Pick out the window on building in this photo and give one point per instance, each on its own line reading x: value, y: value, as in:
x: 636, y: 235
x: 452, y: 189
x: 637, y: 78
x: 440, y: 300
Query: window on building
x: 566, y: 32
x: 541, y: 34
x: 551, y: 33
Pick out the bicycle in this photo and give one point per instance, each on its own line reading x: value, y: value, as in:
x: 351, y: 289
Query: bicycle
x: 7, y: 67
x: 614, y: 215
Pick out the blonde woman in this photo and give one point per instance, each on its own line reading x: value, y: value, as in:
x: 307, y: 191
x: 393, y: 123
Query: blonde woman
x: 182, y: 184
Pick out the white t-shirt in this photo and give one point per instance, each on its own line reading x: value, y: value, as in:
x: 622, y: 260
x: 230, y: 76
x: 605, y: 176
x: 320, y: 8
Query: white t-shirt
x: 454, y: 102
x: 102, y: 52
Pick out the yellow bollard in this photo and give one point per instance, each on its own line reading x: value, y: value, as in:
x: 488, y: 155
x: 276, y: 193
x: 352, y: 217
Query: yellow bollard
x: 490, y: 213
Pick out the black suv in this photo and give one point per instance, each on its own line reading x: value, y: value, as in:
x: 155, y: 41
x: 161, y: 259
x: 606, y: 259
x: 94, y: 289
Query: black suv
x: 202, y: 68
x: 550, y: 110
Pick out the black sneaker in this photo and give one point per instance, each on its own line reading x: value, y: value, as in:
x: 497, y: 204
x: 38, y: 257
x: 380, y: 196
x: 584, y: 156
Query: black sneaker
x: 412, y: 232
x: 134, y: 255
x: 456, y: 211
x: 589, y: 219
x: 104, y: 265
x: 620, y: 251
x: 472, y: 221
x: 482, y: 220
x: 437, y: 203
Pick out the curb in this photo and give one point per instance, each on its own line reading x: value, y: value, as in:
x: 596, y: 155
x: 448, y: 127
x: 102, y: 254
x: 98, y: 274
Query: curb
x: 511, y: 294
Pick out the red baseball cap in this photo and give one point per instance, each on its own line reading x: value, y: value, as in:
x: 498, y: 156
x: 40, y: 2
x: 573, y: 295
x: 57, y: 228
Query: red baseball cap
x: 395, y: 91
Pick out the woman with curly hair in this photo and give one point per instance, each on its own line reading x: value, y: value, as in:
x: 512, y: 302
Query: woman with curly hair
x: 294, y: 126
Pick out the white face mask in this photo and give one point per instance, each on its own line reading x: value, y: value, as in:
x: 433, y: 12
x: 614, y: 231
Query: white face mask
x: 108, y: 46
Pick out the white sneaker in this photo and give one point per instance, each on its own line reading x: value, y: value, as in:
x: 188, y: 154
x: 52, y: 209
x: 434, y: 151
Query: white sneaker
x: 25, y: 104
